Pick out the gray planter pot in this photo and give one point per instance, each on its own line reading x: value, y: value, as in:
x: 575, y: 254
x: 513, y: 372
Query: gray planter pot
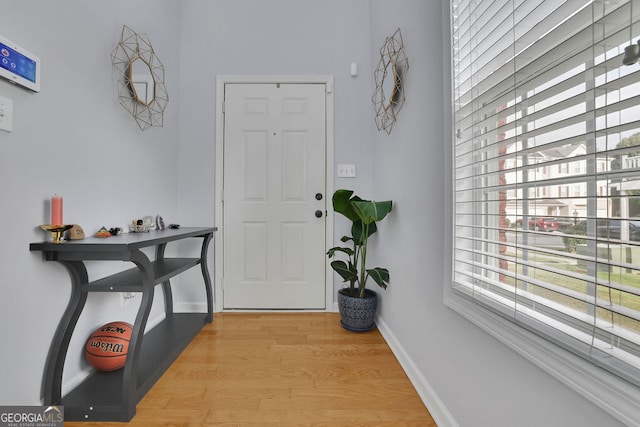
x: 358, y: 314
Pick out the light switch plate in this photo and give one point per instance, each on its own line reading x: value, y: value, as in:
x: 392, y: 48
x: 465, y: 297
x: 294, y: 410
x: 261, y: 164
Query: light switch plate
x: 346, y: 171
x: 6, y: 114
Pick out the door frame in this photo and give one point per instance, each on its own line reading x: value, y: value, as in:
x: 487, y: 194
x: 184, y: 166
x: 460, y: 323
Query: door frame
x: 221, y: 81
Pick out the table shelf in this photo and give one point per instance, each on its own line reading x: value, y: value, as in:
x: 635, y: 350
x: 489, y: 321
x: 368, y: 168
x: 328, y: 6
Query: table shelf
x: 98, y: 398
x: 131, y: 280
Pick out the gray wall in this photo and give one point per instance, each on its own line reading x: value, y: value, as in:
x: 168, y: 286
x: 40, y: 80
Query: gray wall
x: 74, y: 139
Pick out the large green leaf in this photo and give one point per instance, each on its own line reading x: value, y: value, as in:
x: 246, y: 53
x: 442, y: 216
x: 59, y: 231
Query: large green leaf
x: 342, y: 203
x: 380, y: 276
x: 369, y: 211
x: 357, y: 231
x: 347, y: 272
x: 331, y: 252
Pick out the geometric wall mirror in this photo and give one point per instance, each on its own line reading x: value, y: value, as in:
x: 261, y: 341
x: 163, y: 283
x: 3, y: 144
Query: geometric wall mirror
x: 388, y: 96
x: 140, y: 75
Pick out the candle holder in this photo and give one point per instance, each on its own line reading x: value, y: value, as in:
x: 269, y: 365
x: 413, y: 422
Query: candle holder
x: 56, y: 231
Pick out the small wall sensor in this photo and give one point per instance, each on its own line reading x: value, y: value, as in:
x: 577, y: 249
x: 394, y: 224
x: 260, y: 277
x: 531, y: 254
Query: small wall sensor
x: 354, y: 69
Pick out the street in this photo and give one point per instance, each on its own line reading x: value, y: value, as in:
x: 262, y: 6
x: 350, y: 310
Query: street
x: 547, y: 240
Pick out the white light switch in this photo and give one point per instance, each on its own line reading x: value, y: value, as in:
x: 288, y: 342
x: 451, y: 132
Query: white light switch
x: 6, y: 114
x: 346, y: 171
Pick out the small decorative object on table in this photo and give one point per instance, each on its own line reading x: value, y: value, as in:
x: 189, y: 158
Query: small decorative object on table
x: 174, y: 226
x: 56, y: 231
x: 149, y: 222
x: 103, y: 232
x: 145, y: 224
x: 57, y: 227
x: 76, y: 232
x: 56, y: 210
x: 136, y: 226
x: 159, y: 223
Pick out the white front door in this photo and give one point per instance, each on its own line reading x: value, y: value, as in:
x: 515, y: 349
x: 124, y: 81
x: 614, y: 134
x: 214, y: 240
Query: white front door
x: 274, y: 196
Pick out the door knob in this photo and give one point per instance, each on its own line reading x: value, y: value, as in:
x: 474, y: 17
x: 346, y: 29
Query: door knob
x: 318, y: 214
x: 318, y: 196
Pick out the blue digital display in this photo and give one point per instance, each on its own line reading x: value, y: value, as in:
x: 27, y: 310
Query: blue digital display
x: 17, y: 63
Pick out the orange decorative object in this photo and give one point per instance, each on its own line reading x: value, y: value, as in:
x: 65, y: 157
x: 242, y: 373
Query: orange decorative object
x: 103, y: 232
x: 56, y: 210
x: 107, y: 348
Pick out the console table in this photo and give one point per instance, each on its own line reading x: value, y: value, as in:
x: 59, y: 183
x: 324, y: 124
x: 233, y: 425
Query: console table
x: 112, y: 396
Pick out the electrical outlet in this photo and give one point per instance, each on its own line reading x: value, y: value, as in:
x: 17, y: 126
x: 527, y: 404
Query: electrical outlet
x: 125, y: 297
x: 346, y: 171
x: 6, y: 114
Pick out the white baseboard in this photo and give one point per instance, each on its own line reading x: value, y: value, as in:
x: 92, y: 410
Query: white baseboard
x: 436, y: 407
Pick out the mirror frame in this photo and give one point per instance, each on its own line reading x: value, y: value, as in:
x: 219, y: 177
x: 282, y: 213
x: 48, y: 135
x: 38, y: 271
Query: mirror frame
x: 133, y: 83
x: 393, y: 64
x: 133, y: 47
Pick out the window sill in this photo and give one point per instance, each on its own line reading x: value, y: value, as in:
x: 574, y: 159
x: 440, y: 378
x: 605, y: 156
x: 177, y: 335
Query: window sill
x: 605, y: 390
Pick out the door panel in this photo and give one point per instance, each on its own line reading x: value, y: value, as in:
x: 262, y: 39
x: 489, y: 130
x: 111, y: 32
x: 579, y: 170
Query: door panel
x: 274, y: 164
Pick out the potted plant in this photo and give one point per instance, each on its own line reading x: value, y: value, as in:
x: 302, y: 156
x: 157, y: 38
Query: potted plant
x: 356, y: 303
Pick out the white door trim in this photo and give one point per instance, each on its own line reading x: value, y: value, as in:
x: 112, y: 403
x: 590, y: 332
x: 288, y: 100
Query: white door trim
x: 218, y: 242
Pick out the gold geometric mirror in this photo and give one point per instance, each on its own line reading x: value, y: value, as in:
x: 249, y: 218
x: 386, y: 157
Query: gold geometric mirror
x: 388, y: 96
x: 140, y: 74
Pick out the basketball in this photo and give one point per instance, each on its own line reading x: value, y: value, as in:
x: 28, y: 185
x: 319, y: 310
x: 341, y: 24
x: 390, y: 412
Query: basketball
x: 106, y: 349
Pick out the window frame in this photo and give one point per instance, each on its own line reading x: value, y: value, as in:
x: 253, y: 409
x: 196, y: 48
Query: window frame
x: 606, y: 390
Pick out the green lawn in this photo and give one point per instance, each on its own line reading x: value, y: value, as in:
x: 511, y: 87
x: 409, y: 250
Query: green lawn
x: 604, y: 294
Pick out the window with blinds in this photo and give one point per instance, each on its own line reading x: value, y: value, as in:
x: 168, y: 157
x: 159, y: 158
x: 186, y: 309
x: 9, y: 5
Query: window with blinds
x: 546, y: 170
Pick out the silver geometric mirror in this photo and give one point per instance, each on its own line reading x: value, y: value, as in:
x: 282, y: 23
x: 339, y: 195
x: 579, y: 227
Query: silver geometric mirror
x: 388, y: 96
x: 140, y: 74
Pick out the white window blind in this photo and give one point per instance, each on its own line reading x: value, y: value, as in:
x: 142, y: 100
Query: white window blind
x: 547, y: 171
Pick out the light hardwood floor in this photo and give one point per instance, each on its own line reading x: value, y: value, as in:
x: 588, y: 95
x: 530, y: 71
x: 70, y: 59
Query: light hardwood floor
x: 282, y: 369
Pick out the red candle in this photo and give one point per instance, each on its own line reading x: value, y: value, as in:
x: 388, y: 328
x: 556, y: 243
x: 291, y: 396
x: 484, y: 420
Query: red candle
x: 56, y: 210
